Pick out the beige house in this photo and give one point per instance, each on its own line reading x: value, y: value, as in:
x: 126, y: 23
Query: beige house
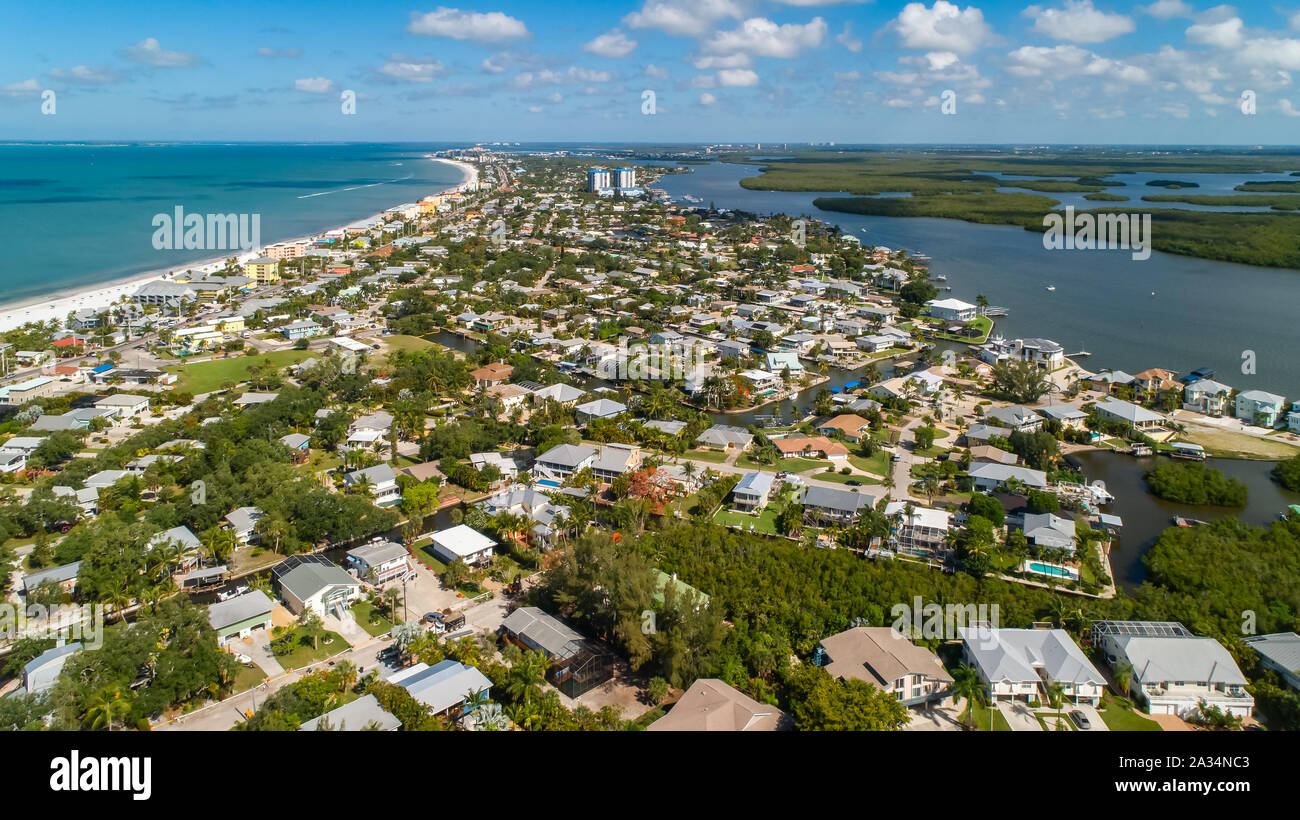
x: 886, y: 659
x: 712, y: 706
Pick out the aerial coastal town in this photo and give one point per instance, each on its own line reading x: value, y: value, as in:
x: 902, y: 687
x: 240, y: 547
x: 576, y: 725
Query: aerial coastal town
x: 555, y: 450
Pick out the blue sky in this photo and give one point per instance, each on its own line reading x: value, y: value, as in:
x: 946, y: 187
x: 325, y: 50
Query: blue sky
x: 1055, y: 71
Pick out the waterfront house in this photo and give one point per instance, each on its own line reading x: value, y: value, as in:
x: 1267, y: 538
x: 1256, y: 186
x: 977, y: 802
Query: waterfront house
x: 811, y: 447
x: 598, y: 409
x: 1021, y: 664
x: 381, y: 482
x: 492, y: 374
x: 1156, y: 380
x: 1259, y: 408
x: 886, y: 659
x: 237, y: 617
x: 1069, y: 416
x: 316, y: 583
x: 1138, y: 418
x: 563, y: 460
x: 243, y: 522
x: 1049, y: 530
x: 853, y: 427
x: 1206, y: 396
x: 1174, y: 671
x: 380, y: 562
x: 463, y: 543
x: 988, y: 476
x: 443, y: 687
x: 1016, y: 417
x: 725, y: 437
x: 952, y: 310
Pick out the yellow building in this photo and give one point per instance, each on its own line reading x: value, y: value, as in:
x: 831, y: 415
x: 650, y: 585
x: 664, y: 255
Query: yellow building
x: 230, y: 324
x: 263, y: 270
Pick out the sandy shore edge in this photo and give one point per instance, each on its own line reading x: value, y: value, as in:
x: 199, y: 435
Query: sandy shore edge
x: 57, y: 306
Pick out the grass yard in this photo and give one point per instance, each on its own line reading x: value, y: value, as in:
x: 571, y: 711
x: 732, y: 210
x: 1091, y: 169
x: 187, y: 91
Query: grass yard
x: 789, y: 465
x: 404, y: 343
x: 1119, y: 714
x: 425, y: 555
x: 981, y: 719
x: 205, y: 377
x: 840, y: 478
x: 764, y: 522
x: 331, y: 643
x: 878, y: 463
x: 711, y: 456
x: 370, y: 620
x: 1229, y: 444
x: 247, y: 677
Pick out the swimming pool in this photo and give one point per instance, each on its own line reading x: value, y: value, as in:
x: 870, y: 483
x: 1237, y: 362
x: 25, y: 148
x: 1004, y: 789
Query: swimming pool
x: 548, y: 483
x: 1050, y: 569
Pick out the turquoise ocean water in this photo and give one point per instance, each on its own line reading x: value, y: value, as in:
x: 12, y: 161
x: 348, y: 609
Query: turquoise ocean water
x: 80, y: 215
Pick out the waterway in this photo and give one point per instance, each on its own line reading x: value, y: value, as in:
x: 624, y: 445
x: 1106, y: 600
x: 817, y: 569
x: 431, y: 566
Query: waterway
x: 1146, y: 516
x: 1168, y: 311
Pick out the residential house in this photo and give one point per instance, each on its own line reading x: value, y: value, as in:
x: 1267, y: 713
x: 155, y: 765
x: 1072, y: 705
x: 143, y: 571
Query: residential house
x: 923, y: 533
x: 1138, y: 418
x: 1207, y: 397
x: 811, y: 447
x: 237, y: 617
x: 1259, y: 408
x: 443, y: 687
x: 710, y: 705
x: 616, y: 459
x: 952, y: 310
x: 1022, y: 664
x: 1173, y: 671
x: 1018, y: 418
x: 1279, y: 651
x: 492, y: 374
x: 63, y: 577
x: 380, y: 562
x: 463, y: 543
x: 852, y: 426
x: 824, y: 505
x: 1069, y: 416
x: 989, y: 476
x: 563, y: 460
x: 751, y: 492
x: 42, y: 672
x: 886, y: 659
x: 359, y: 715
x: 1050, y: 531
x: 725, y: 437
x: 243, y: 522
x: 598, y: 409
x: 380, y: 481
x: 313, y: 582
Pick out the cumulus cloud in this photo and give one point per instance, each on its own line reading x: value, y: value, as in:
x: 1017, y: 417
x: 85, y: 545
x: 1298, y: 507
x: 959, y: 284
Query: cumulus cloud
x: 22, y: 89
x: 1221, y: 34
x: 707, y: 99
x: 477, y: 27
x: 760, y: 37
x: 574, y: 75
x: 742, y: 77
x: 846, y: 39
x: 150, y: 52
x: 1079, y: 22
x: 1167, y: 9
x: 314, y: 85
x: 686, y: 18
x: 612, y: 44
x: 941, y: 27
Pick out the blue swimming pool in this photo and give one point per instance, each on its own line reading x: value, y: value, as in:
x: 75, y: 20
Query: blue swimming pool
x: 1051, y: 569
x: 548, y: 483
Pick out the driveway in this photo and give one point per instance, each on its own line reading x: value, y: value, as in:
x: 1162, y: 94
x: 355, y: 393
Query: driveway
x: 258, y: 647
x: 937, y: 719
x: 1093, y: 716
x: 1020, y: 717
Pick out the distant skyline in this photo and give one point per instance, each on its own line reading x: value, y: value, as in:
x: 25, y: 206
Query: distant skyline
x: 1054, y: 72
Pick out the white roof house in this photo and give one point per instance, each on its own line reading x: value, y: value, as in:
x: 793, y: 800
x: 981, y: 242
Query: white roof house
x: 1019, y: 663
x: 988, y: 475
x: 464, y: 543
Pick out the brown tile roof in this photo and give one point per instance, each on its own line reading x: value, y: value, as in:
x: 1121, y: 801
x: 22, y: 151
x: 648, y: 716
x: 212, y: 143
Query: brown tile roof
x: 712, y: 706
x: 879, y: 655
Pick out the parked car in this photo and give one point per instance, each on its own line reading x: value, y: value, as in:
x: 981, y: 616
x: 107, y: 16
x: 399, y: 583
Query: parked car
x: 852, y: 483
x: 1080, y: 719
x: 895, y: 457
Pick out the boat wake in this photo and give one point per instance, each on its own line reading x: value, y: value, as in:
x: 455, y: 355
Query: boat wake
x: 354, y: 187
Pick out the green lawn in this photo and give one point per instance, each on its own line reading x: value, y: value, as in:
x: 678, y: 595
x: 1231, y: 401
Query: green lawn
x: 425, y: 555
x: 404, y: 343
x: 205, y: 377
x: 247, y: 677
x: 1119, y: 714
x: 764, y: 522
x: 878, y: 463
x: 840, y: 478
x: 712, y: 456
x: 982, y: 719
x: 792, y: 465
x: 370, y: 620
x: 331, y: 643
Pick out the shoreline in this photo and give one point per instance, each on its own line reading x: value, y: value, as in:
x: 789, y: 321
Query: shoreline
x: 57, y: 305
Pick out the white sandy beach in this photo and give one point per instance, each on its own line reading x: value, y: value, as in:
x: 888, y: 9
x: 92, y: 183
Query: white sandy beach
x: 57, y: 306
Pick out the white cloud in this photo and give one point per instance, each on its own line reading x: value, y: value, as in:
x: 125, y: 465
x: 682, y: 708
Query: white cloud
x: 275, y: 53
x: 574, y: 75
x: 478, y: 27
x: 1062, y: 62
x: 612, y: 44
x: 846, y: 39
x: 707, y: 99
x: 87, y: 75
x: 656, y: 72
x: 942, y: 27
x: 314, y: 85
x: 898, y: 102
x: 26, y: 88
x: 688, y: 18
x: 1223, y: 34
x: 1167, y: 9
x: 710, y: 62
x: 411, y: 69
x: 742, y: 77
x: 1285, y: 106
x: 760, y: 37
x: 1079, y: 22
x: 150, y: 52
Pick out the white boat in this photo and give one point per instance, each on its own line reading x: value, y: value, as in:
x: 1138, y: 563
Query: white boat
x: 1051, y: 287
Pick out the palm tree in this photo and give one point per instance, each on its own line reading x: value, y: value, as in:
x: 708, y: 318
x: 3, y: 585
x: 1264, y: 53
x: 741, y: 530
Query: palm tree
x: 347, y: 672
x: 106, y: 707
x: 1056, y: 697
x: 966, y: 685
